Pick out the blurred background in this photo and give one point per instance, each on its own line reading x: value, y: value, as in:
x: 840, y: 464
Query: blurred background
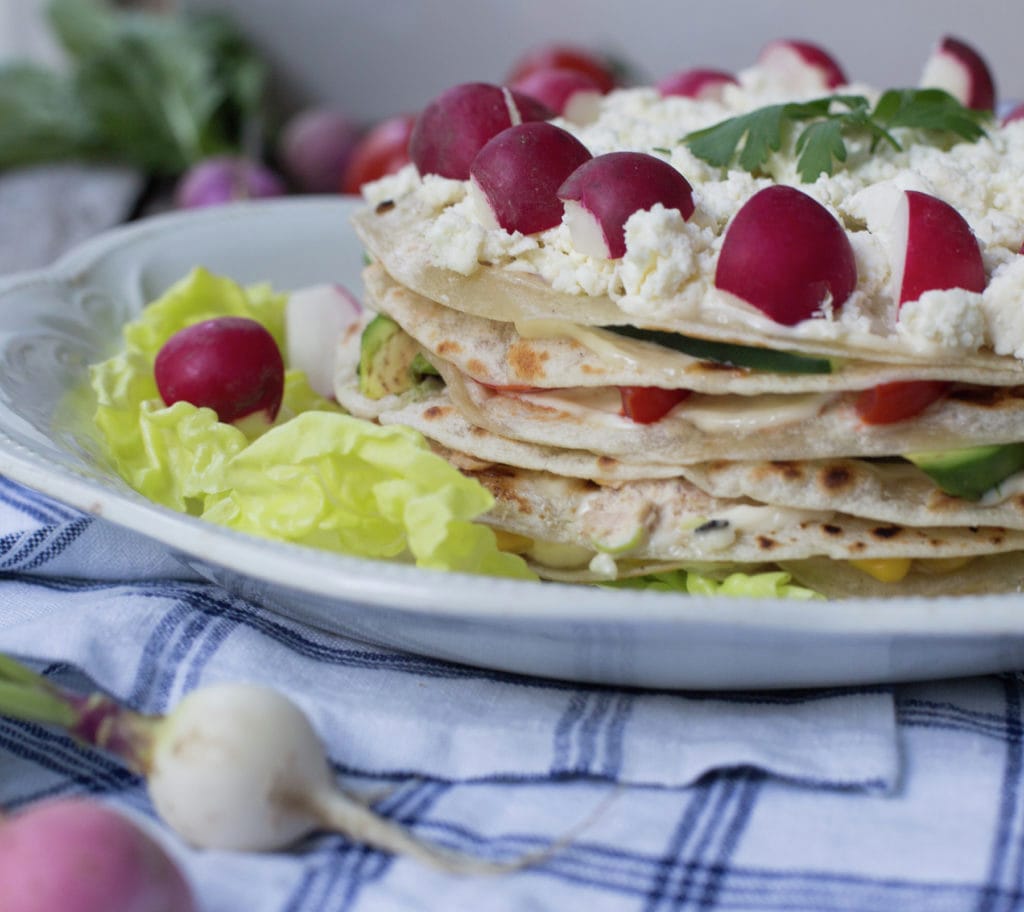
x: 374, y: 58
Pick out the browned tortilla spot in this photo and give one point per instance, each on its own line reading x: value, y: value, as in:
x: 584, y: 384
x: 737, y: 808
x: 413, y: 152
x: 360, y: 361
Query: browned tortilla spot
x: 765, y: 543
x: 986, y: 396
x: 385, y: 206
x: 449, y: 347
x: 887, y: 532
x: 717, y: 367
x: 606, y: 462
x: 436, y: 411
x: 835, y: 478
x: 829, y: 529
x: 788, y: 470
x: 476, y: 367
x: 592, y: 369
x: 857, y: 546
x: 525, y: 362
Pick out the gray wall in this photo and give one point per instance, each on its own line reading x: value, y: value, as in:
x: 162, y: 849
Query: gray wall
x: 377, y: 57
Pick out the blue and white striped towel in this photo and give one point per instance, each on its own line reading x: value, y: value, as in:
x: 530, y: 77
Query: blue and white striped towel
x: 863, y: 799
x: 867, y: 799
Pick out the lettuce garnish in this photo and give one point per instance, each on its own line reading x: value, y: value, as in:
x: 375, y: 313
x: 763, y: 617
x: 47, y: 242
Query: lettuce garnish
x: 769, y: 584
x: 316, y: 477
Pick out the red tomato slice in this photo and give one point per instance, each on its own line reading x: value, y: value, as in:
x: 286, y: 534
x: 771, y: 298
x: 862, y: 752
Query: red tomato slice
x: 383, y: 150
x: 892, y: 402
x: 647, y: 404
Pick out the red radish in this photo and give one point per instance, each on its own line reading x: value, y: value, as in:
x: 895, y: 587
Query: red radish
x: 315, y: 147
x: 229, y: 364
x: 225, y: 179
x: 382, y: 151
x: 892, y: 402
x: 459, y: 122
x: 79, y: 856
x: 515, y: 177
x: 569, y: 93
x: 647, y: 404
x: 701, y: 84
x: 960, y: 70
x: 785, y: 254
x: 802, y: 65
x: 602, y: 193
x: 316, y: 318
x: 566, y: 56
x: 935, y: 248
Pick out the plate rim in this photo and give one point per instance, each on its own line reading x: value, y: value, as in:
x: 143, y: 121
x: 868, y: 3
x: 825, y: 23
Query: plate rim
x: 408, y: 589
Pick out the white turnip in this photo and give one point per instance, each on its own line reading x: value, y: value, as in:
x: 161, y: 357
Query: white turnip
x: 233, y: 766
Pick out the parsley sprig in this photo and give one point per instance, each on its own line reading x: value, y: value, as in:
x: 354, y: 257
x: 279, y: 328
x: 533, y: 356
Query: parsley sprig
x: 828, y: 122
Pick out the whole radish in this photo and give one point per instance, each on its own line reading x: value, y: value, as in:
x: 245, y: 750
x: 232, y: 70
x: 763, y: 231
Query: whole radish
x: 76, y: 855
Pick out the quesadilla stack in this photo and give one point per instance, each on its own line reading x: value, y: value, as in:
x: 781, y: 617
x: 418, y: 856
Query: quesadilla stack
x: 822, y: 374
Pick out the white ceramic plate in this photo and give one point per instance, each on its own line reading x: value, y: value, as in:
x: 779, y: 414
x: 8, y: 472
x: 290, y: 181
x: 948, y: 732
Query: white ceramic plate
x: 53, y: 324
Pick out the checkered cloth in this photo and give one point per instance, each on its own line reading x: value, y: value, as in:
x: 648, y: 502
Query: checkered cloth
x: 863, y: 799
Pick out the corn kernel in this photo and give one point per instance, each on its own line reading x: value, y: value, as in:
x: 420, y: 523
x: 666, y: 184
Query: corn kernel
x: 942, y: 565
x: 512, y: 543
x: 884, y: 569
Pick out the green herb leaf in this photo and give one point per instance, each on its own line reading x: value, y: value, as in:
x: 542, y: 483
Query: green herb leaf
x: 42, y: 119
x: 928, y: 109
x: 818, y: 147
x: 751, y: 138
x: 157, y: 91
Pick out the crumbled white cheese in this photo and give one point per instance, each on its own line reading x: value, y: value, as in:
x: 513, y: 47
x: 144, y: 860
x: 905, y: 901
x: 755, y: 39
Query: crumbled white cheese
x: 1003, y: 305
x: 456, y: 242
x: 669, y: 265
x: 951, y: 319
x: 659, y: 255
x: 393, y: 186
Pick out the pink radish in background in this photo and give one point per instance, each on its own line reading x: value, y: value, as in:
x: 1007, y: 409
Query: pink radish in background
x: 787, y: 255
x: 798, y: 65
x: 602, y: 193
x: 315, y: 147
x: 226, y: 179
x: 456, y: 125
x: 701, y: 84
x: 515, y: 177
x: 75, y: 855
x: 229, y: 364
x: 960, y: 70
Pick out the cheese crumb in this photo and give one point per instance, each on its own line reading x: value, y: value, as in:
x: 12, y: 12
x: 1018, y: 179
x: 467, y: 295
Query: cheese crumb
x: 951, y: 319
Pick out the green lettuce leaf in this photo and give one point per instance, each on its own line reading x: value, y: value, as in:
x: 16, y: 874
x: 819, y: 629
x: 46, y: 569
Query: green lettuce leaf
x: 316, y: 476
x: 336, y: 482
x: 770, y: 584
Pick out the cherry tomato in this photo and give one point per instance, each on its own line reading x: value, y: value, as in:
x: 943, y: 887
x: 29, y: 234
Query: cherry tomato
x: 892, y: 402
x: 647, y: 404
x: 383, y: 150
x: 567, y: 57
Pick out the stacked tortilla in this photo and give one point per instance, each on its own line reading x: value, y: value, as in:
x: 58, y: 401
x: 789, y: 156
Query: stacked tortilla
x: 756, y: 468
